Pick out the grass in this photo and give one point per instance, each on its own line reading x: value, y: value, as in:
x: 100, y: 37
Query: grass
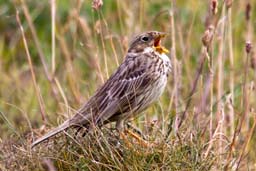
x: 53, y: 56
x: 103, y: 150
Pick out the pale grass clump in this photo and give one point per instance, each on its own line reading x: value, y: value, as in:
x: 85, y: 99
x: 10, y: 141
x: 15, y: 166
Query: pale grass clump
x: 103, y: 150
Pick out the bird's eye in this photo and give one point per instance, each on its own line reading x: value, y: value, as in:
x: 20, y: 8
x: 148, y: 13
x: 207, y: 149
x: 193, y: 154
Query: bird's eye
x: 145, y: 38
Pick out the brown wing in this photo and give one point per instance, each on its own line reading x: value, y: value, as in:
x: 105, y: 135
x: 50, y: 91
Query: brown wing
x: 128, y: 87
x: 121, y: 92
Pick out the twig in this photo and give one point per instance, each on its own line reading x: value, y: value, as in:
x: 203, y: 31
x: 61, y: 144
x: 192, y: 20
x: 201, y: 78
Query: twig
x: 203, y: 56
x: 38, y: 47
x: 245, y: 100
x: 37, y: 90
x: 231, y: 59
x: 37, y: 44
x: 174, y: 62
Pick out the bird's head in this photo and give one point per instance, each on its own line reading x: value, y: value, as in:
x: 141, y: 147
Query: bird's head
x: 149, y: 39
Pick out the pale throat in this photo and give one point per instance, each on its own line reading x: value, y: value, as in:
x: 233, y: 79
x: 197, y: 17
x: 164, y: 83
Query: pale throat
x: 163, y: 56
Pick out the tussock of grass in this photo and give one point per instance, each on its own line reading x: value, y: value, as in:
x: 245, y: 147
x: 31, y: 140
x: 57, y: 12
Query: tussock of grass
x: 104, y: 150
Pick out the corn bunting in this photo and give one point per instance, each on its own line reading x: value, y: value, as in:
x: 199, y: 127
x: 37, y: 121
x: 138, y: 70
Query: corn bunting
x: 137, y: 83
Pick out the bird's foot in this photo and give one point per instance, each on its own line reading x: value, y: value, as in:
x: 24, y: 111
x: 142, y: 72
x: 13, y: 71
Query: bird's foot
x: 127, y: 136
x: 141, y: 141
x: 136, y: 130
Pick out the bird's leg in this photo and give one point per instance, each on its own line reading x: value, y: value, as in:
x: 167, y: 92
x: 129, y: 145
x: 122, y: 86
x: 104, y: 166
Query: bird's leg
x: 140, y: 139
x: 135, y: 130
x: 81, y: 131
x: 120, y: 125
x: 123, y: 132
x: 77, y: 132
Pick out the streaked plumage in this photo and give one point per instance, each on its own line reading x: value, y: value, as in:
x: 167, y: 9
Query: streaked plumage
x: 137, y: 83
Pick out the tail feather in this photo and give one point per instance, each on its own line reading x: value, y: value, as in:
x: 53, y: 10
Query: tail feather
x: 53, y: 132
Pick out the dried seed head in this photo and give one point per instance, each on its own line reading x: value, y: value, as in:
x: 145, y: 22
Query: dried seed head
x: 96, y: 4
x: 248, y: 47
x: 208, y: 35
x: 247, y: 11
x: 214, y: 6
x: 228, y: 3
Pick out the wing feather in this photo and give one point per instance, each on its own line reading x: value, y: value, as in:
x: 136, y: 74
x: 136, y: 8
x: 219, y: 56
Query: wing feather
x: 124, y: 88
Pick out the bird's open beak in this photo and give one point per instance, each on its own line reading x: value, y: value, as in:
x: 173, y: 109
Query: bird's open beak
x: 157, y: 44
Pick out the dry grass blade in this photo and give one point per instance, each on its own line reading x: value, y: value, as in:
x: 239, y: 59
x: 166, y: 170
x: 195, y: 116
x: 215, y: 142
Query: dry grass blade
x: 37, y: 90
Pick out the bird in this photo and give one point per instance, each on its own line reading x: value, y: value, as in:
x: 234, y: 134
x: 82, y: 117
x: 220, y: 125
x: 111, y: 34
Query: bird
x: 137, y: 83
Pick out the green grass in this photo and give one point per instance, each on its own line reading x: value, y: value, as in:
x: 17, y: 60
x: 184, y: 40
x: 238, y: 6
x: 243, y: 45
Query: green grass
x: 89, y: 46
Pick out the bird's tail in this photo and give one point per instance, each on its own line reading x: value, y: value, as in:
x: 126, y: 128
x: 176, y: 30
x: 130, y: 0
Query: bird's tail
x: 53, y: 132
